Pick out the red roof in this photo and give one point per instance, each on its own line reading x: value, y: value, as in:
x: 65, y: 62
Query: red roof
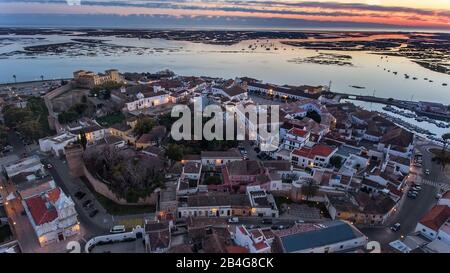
x: 446, y: 195
x: 298, y: 132
x: 40, y: 211
x: 436, y: 217
x: 236, y: 249
x: 256, y: 233
x: 53, y: 195
x: 318, y: 150
x: 260, y: 245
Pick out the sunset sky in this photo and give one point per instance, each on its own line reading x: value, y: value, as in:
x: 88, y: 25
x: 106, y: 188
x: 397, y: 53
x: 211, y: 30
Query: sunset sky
x: 251, y: 13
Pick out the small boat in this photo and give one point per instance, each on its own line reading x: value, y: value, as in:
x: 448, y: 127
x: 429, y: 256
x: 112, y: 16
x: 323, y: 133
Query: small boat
x: 395, y: 73
x: 444, y: 84
x: 414, y: 78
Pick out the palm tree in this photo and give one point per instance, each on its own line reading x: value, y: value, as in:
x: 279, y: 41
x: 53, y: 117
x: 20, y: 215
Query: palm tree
x: 15, y: 78
x: 42, y: 77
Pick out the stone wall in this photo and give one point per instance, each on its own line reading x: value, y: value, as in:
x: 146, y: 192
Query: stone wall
x: 103, y: 189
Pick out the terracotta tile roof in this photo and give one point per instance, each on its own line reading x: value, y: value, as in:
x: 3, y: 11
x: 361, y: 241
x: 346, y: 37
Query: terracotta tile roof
x: 436, y: 217
x: 298, y: 132
x: 145, y: 138
x: 256, y: 233
x: 398, y: 137
x: 53, y: 195
x: 260, y: 245
x: 41, y: 210
x: 236, y: 249
x: 446, y: 195
x: 318, y: 150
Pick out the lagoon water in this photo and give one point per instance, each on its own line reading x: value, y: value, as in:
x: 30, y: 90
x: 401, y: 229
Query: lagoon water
x: 187, y: 58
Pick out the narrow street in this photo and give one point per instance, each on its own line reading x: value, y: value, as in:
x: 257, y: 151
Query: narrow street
x: 412, y: 210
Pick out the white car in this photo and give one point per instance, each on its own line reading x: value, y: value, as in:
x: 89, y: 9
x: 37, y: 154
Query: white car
x: 117, y: 229
x: 233, y: 220
x: 427, y: 171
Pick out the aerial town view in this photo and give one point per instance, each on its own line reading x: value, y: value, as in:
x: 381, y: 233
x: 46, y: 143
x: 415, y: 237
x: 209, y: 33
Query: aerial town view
x: 200, y: 127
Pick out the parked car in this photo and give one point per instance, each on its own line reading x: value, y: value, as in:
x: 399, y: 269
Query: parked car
x: 427, y: 171
x: 412, y: 195
x: 416, y: 188
x: 88, y: 203
x: 257, y: 149
x: 93, y: 213
x: 267, y: 221
x: 233, y: 220
x: 396, y: 227
x: 438, y: 196
x: 79, y: 195
x: 49, y: 166
x: 299, y: 221
x: 117, y: 229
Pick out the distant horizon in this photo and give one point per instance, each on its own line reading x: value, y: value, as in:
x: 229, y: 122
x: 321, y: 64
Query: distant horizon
x: 224, y: 28
x: 386, y: 15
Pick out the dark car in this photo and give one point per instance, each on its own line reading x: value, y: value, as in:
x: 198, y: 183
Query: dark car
x: 412, y: 195
x: 396, y: 227
x: 79, y: 195
x: 267, y: 221
x: 93, y: 213
x: 87, y: 203
x: 257, y: 149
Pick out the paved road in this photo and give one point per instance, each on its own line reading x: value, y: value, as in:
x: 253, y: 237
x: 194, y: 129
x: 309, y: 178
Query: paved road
x: 68, y: 184
x: 412, y: 210
x: 92, y: 226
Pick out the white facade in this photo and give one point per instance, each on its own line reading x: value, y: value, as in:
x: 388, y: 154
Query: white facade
x: 63, y: 226
x: 147, y: 102
x: 337, y: 247
x: 57, y: 143
x: 426, y: 231
x: 218, y: 161
x: 254, y: 241
x: 293, y: 140
x: 28, y: 164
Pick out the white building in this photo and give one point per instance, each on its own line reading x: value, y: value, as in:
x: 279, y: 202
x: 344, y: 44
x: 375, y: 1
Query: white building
x: 262, y: 203
x: 56, y: 144
x: 215, y: 205
x: 220, y: 158
x: 327, y: 237
x: 445, y: 199
x: 295, y: 138
x: 52, y: 215
x: 29, y: 164
x: 147, y: 100
x: 317, y: 156
x: 435, y: 225
x: 253, y: 240
x: 189, y: 178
